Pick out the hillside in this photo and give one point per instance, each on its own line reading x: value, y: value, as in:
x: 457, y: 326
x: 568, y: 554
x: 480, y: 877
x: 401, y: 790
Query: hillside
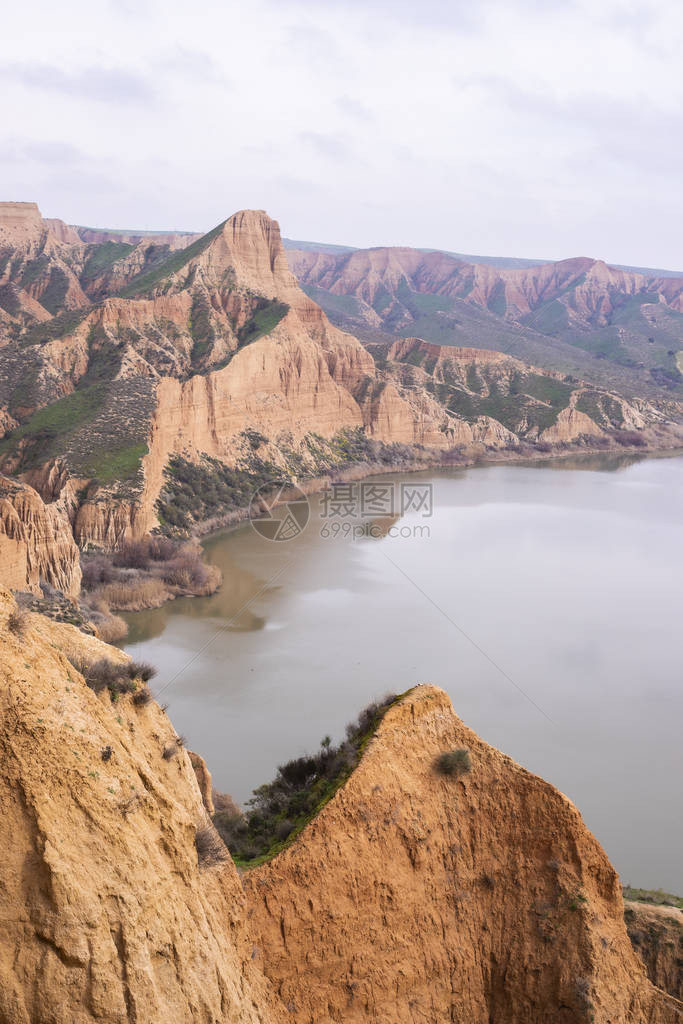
x: 619, y: 328
x: 412, y: 894
x: 123, y: 363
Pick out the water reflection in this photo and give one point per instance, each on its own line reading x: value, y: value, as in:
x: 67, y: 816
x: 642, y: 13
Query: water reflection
x: 568, y: 579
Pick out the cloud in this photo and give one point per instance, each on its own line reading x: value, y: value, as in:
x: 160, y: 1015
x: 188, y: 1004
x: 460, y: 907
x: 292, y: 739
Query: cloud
x: 193, y: 65
x: 329, y: 146
x: 353, y: 108
x: 107, y: 85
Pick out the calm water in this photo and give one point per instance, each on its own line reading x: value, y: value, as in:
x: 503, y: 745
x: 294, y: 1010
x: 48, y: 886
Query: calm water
x: 566, y: 575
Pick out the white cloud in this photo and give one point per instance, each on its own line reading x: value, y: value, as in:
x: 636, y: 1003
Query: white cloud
x: 520, y: 128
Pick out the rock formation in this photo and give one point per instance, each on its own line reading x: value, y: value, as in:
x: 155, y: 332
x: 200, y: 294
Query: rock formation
x: 410, y: 897
x: 656, y: 933
x: 106, y: 914
x: 36, y: 542
x: 417, y: 897
x: 119, y: 355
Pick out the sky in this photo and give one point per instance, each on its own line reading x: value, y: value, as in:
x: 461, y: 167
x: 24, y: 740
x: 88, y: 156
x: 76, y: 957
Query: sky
x: 528, y: 128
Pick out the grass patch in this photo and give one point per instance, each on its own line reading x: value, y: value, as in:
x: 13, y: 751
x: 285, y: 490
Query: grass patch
x: 656, y: 897
x: 281, y: 809
x: 110, y: 464
x: 102, y: 257
x: 266, y: 316
x: 149, y: 279
x: 53, y: 297
x: 201, y: 328
x: 59, y: 327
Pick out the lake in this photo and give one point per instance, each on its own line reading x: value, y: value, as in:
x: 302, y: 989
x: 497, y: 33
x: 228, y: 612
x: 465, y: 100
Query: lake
x: 545, y: 598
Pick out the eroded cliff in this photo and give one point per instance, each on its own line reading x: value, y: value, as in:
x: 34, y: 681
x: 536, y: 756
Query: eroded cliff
x: 417, y: 897
x: 105, y: 914
x: 411, y: 897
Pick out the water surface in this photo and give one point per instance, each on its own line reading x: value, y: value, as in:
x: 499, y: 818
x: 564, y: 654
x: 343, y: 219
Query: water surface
x: 566, y: 575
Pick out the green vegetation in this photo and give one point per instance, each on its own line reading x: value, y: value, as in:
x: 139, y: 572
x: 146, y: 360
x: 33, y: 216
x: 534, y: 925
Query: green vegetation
x: 102, y: 257
x: 149, y: 279
x: 117, y: 677
x: 53, y: 297
x: 34, y: 269
x: 601, y: 408
x: 201, y: 328
x: 9, y: 300
x: 267, y: 315
x: 198, y: 491
x: 281, y: 809
x: 59, y: 327
x: 454, y: 762
x: 421, y: 303
x: 382, y: 300
x: 57, y: 419
x: 657, y: 897
x: 115, y: 463
x: 497, y: 302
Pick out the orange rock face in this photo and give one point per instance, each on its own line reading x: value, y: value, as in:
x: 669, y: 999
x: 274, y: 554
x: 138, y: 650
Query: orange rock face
x: 414, y: 896
x: 36, y: 542
x: 410, y: 897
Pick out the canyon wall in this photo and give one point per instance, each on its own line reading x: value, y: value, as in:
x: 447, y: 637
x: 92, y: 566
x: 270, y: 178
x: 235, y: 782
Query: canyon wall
x: 413, y: 896
x: 410, y: 897
x: 105, y: 914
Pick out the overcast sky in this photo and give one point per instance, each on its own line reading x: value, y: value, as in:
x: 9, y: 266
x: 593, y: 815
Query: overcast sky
x: 520, y: 128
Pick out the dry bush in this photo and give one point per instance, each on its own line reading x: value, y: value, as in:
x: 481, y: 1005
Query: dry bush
x: 111, y: 628
x: 224, y: 802
x: 134, y: 594
x: 96, y: 569
x: 17, y: 622
x: 210, y: 847
x: 142, y: 697
x: 163, y: 549
x: 133, y: 554
x: 454, y: 762
x: 141, y: 670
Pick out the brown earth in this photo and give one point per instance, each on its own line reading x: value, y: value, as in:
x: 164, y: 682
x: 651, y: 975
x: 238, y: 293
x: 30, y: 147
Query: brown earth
x: 410, y: 897
x: 656, y: 933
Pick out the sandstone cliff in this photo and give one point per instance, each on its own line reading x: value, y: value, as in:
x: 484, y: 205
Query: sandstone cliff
x: 410, y: 897
x: 158, y: 350
x: 656, y: 933
x: 105, y: 914
x: 413, y: 897
x: 36, y: 542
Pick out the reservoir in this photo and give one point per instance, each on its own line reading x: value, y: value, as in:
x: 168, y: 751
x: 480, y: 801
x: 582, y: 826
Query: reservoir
x: 544, y: 598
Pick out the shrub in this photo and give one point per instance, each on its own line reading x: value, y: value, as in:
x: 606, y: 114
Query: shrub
x: 630, y: 438
x: 17, y: 622
x: 141, y: 670
x: 96, y: 570
x: 454, y: 762
x: 133, y: 595
x: 111, y: 628
x: 169, y: 751
x: 106, y: 753
x: 209, y: 845
x: 279, y: 809
x: 142, y: 697
x: 133, y: 554
x: 104, y: 675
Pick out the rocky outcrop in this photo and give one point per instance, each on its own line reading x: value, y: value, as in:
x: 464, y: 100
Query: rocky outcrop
x: 410, y: 897
x: 414, y: 896
x: 105, y: 912
x: 656, y: 933
x: 36, y: 542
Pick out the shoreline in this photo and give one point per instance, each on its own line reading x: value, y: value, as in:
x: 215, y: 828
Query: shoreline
x: 461, y: 460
